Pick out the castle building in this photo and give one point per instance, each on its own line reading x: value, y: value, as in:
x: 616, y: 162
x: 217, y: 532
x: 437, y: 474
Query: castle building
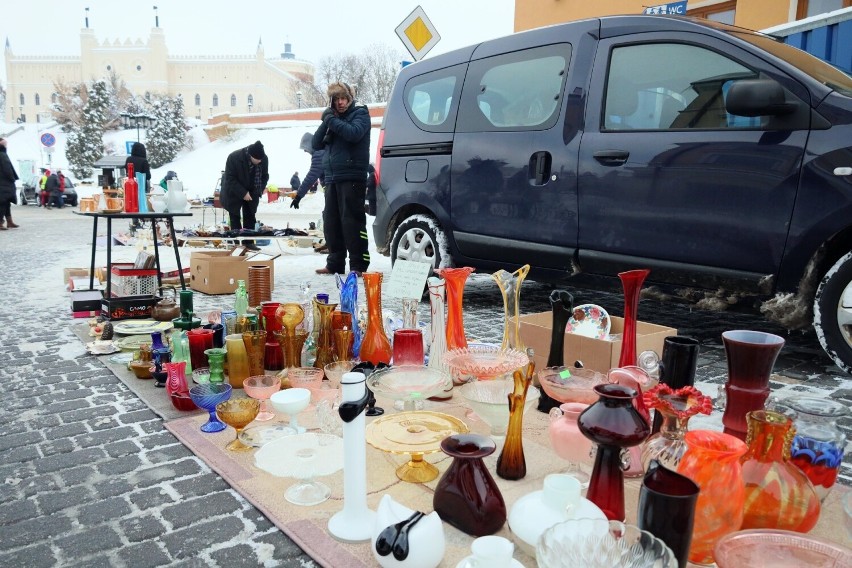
x: 208, y: 84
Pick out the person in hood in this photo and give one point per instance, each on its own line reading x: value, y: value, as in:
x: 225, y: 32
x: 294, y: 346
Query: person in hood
x: 170, y: 175
x: 345, y: 136
x: 245, y: 178
x: 8, y: 192
x: 139, y: 158
x: 315, y: 173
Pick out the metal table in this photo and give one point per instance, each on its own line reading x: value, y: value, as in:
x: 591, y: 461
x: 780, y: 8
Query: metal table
x: 167, y: 217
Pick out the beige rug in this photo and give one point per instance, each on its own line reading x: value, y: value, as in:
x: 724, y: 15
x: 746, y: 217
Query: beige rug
x: 307, y: 525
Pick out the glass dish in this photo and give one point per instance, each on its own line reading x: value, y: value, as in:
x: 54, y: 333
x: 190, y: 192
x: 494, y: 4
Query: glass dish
x: 485, y: 362
x: 567, y: 384
x: 141, y: 326
x: 779, y: 549
x: 489, y: 400
x: 595, y: 543
x: 408, y: 383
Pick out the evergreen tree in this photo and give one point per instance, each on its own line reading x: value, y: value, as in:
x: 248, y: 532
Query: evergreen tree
x: 167, y: 136
x: 85, y: 141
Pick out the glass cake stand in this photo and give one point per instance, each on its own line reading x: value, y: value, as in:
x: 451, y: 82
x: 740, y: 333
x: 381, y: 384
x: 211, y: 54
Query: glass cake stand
x: 483, y: 362
x: 416, y: 433
x: 303, y: 456
x: 408, y: 383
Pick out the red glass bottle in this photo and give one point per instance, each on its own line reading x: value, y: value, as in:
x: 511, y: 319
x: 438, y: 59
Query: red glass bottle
x: 131, y: 192
x: 273, y: 357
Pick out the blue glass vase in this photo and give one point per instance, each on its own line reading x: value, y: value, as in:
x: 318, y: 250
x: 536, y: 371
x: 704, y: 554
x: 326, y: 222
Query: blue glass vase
x: 349, y: 304
x: 143, y: 200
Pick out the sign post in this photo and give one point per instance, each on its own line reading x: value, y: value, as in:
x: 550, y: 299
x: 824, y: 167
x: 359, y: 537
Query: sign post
x: 48, y: 140
x: 418, y: 34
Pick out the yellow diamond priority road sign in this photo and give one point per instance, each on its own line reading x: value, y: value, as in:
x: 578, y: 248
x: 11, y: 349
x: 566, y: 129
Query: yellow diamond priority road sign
x: 418, y: 34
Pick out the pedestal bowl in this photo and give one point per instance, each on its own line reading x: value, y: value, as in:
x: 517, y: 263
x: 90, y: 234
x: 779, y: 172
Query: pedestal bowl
x: 334, y: 371
x: 483, y: 362
x: 567, y: 384
x: 489, y: 400
x: 304, y: 377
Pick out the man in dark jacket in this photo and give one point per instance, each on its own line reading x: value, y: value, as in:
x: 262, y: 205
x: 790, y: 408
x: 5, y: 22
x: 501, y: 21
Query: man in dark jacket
x: 139, y: 158
x: 54, y: 189
x: 246, y: 175
x: 315, y: 173
x: 295, y: 182
x: 8, y: 177
x: 345, y: 135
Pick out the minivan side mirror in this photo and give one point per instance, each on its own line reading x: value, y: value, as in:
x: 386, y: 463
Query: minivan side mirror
x: 757, y: 97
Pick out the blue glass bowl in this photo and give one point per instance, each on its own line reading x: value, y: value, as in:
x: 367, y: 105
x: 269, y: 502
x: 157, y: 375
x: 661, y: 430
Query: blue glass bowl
x: 207, y: 396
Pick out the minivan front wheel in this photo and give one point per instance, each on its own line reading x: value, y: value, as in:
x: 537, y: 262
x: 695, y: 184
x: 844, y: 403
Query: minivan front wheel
x: 833, y: 312
x: 419, y: 238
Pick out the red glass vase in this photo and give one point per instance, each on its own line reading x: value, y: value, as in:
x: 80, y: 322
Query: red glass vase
x: 455, y: 279
x: 631, y: 281
x: 272, y: 357
x: 200, y: 340
x: 751, y: 356
x: 131, y: 192
x: 408, y: 347
x: 613, y: 424
x: 375, y: 346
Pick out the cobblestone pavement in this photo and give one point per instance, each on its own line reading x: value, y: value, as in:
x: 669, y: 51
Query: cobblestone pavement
x: 91, y: 478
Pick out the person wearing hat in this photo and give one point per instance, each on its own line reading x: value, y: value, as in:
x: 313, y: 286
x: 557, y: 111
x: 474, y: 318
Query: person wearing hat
x: 345, y: 136
x: 246, y: 175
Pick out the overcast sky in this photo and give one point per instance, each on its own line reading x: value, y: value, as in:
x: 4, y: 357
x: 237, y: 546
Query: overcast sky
x: 229, y: 27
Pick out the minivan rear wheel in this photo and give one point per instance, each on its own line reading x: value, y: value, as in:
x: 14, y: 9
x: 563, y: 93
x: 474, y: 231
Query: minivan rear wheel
x: 833, y: 312
x: 419, y: 238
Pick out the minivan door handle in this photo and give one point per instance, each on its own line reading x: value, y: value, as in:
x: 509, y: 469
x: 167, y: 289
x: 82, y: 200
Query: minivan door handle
x: 540, y: 167
x: 612, y: 157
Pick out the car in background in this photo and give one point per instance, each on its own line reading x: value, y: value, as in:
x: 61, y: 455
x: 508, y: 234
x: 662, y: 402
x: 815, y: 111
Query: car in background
x: 70, y: 194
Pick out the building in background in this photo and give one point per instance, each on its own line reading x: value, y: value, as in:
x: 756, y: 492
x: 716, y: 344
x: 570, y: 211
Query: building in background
x: 208, y: 84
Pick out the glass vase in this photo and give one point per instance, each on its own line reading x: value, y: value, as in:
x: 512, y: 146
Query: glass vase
x: 200, y: 340
x: 565, y: 436
x: 751, y: 356
x: 238, y: 363
x: 677, y: 368
x: 407, y: 347
x: 343, y: 341
x: 216, y: 359
x: 613, y: 424
x: 712, y: 461
x: 455, y: 279
x: 467, y: 497
x: 241, y: 298
x: 667, y: 508
x: 255, y: 343
x: 631, y: 281
x: 819, y: 443
x: 375, y: 346
x: 272, y: 358
x: 349, y: 304
x: 675, y: 408
x: 157, y: 340
x: 141, y: 198
x: 511, y: 464
x: 291, y: 346
x: 510, y: 287
x: 778, y: 495
x: 218, y: 330
x: 325, y: 338
x: 562, y: 308
x: 131, y: 192
x: 437, y: 325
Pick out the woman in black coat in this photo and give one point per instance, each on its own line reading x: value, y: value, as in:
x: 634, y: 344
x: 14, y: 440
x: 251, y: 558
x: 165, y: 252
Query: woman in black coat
x: 8, y: 177
x: 139, y: 158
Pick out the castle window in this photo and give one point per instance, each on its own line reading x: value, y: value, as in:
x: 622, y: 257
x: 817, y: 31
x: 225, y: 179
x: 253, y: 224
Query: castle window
x: 139, y: 68
x: 54, y: 97
x: 109, y: 67
x: 197, y: 100
x: 37, y: 99
x: 233, y: 100
x: 215, y: 100
x: 251, y: 100
x: 22, y: 99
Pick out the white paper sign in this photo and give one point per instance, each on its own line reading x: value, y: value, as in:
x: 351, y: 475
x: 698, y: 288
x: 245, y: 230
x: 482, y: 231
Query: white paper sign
x: 408, y: 279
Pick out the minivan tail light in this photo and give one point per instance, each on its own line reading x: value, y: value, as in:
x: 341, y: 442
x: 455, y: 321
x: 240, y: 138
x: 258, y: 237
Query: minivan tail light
x: 378, y: 164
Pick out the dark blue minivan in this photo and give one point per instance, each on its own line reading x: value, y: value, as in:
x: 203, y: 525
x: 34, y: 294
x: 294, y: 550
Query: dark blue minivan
x: 717, y: 157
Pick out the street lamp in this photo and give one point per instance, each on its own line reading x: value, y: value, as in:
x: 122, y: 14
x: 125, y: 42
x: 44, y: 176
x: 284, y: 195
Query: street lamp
x: 138, y: 120
x: 250, y: 105
x: 299, y: 99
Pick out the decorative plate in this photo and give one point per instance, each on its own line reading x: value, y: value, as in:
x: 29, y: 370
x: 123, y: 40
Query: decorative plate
x: 100, y: 347
x: 133, y: 342
x: 121, y: 359
x: 589, y: 320
x: 134, y: 327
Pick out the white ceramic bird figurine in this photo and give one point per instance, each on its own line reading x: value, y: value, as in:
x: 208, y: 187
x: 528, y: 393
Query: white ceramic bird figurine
x: 404, y: 538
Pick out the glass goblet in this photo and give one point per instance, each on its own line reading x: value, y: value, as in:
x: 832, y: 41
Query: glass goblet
x: 238, y: 412
x: 262, y: 387
x: 291, y: 402
x: 207, y: 396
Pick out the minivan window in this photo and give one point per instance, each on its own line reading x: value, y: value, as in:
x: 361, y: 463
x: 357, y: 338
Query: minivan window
x: 521, y: 90
x: 661, y: 86
x: 429, y: 98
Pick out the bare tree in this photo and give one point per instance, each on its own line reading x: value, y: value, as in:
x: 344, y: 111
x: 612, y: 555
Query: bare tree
x: 372, y: 73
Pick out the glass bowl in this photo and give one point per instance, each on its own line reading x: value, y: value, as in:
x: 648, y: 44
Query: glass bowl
x: 334, y: 371
x: 305, y: 377
x: 779, y: 549
x: 567, y: 384
x: 201, y: 375
x: 485, y: 361
x: 489, y: 400
x: 597, y: 543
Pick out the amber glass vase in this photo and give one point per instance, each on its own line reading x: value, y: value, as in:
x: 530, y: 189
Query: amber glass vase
x: 255, y: 342
x: 613, y: 423
x: 511, y: 464
x: 375, y: 346
x: 238, y: 364
x: 712, y: 461
x: 631, y: 281
x: 454, y: 281
x: 291, y: 346
x: 325, y: 335
x: 778, y: 495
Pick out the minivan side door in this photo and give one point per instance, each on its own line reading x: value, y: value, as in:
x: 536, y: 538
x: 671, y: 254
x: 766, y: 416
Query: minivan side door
x: 513, y: 173
x: 668, y: 179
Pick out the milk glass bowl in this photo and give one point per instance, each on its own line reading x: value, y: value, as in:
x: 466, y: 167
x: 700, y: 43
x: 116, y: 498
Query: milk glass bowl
x: 597, y: 543
x: 291, y: 402
x: 489, y: 400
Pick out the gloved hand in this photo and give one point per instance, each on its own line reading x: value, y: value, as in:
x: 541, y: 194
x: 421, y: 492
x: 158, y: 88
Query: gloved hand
x: 295, y: 203
x: 327, y: 113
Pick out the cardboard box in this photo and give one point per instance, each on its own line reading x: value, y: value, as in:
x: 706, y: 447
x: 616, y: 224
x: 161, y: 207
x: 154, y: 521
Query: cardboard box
x: 86, y: 300
x: 217, y: 271
x: 595, y: 354
x: 71, y: 277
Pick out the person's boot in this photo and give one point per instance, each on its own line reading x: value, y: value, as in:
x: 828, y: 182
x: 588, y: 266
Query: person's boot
x: 2, y: 226
x: 11, y: 223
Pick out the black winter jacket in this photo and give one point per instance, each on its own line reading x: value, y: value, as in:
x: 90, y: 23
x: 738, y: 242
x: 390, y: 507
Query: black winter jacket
x: 238, y: 179
x: 347, y: 145
x: 8, y: 176
x: 139, y: 158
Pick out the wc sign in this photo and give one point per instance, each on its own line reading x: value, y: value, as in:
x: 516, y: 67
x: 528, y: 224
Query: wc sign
x: 673, y: 8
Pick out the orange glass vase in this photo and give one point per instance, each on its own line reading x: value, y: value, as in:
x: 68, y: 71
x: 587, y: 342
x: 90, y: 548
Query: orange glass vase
x: 712, y: 461
x: 375, y: 346
x: 455, y: 279
x: 778, y: 495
